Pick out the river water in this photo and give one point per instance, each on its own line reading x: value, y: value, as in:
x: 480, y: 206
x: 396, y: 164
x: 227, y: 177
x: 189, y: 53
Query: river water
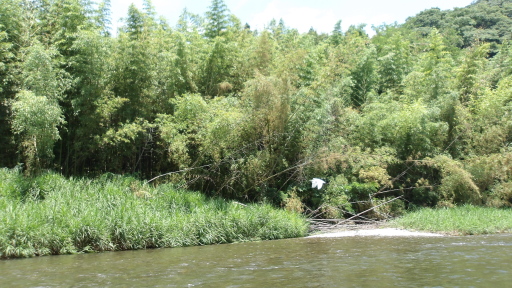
x: 471, y: 261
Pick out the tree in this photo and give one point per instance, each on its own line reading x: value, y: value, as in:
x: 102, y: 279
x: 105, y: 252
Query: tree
x: 263, y: 53
x: 217, y: 19
x: 224, y: 68
x: 36, y: 119
x: 484, y: 21
x: 217, y: 67
x: 36, y: 110
x: 336, y: 35
x: 394, y: 59
x: 189, y: 22
x: 468, y: 79
x: 134, y: 22
x: 103, y: 17
x: 364, y: 76
x: 360, y: 57
x: 60, y: 20
x: 92, y: 71
x: 431, y: 77
x: 191, y: 50
x: 11, y: 24
x: 40, y: 74
x: 184, y: 81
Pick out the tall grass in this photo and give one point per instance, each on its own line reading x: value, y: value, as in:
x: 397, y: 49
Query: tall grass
x: 50, y: 214
x: 462, y: 220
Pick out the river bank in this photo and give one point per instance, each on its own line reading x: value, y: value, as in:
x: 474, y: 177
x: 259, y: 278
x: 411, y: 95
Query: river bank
x: 376, y: 228
x: 53, y: 215
x: 382, y: 232
x: 459, y: 221
x: 428, y: 222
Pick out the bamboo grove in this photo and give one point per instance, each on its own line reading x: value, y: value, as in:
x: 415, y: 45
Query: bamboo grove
x: 420, y: 111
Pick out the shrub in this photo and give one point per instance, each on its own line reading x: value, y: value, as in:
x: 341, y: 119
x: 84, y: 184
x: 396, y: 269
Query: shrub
x: 500, y: 195
x: 391, y: 209
x: 488, y: 169
x: 457, y: 185
x: 335, y: 199
x: 293, y: 203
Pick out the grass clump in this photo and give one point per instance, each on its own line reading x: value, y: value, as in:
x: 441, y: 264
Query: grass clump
x: 50, y: 215
x: 461, y: 220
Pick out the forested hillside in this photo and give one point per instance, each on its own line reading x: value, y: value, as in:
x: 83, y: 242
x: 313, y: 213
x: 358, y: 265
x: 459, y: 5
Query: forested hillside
x: 420, y: 111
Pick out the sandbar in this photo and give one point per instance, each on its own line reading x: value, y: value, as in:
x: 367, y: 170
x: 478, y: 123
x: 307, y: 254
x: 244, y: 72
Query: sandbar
x: 383, y: 232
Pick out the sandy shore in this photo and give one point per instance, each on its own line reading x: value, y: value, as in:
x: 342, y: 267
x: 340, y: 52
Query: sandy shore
x: 384, y: 232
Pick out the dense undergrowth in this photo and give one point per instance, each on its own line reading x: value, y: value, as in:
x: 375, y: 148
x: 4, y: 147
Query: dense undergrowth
x: 462, y: 220
x: 49, y: 215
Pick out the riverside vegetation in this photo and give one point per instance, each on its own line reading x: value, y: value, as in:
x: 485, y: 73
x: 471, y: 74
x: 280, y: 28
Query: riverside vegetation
x: 49, y: 215
x: 462, y: 220
x: 418, y: 114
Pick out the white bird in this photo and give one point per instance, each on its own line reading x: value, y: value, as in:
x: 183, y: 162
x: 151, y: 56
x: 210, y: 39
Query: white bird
x: 317, y: 183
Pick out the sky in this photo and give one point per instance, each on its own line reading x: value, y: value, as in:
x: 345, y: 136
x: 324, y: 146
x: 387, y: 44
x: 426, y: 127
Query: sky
x: 322, y: 15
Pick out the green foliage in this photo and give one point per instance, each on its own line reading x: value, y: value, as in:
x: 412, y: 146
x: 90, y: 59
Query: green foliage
x: 490, y: 170
x: 293, y: 203
x: 412, y: 129
x: 387, y: 208
x: 5, y: 54
x: 218, y: 67
x: 36, y: 119
x: 335, y: 200
x: 189, y: 112
x: 468, y: 81
x: 361, y: 191
x: 337, y: 34
x: 114, y: 213
x: 217, y: 19
x: 464, y: 220
x: 263, y: 53
x: 482, y: 21
x: 500, y: 195
x: 253, y: 115
x: 36, y: 113
x: 457, y: 185
x: 135, y: 21
x: 364, y: 76
x: 431, y: 78
x: 40, y: 75
x: 394, y: 60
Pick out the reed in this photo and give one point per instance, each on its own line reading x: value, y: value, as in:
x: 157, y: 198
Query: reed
x: 50, y: 214
x: 462, y: 220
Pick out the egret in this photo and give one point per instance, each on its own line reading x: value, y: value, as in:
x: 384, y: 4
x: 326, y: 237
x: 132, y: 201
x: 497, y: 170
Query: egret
x: 316, y: 182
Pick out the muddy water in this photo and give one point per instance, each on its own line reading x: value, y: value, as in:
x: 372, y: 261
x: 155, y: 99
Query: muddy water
x: 474, y: 261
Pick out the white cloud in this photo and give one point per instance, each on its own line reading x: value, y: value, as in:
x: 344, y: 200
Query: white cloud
x: 238, y: 6
x: 270, y: 12
x: 303, y: 18
x: 300, y: 17
x: 377, y: 20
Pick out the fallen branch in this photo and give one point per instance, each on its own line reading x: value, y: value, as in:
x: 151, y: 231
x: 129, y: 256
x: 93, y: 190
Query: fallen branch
x: 369, y: 210
x: 175, y: 172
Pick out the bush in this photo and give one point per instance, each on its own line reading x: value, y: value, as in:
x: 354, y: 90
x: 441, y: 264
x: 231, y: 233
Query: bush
x: 500, y: 195
x: 391, y: 209
x: 12, y: 182
x: 457, y: 185
x: 293, y: 203
x: 335, y: 199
